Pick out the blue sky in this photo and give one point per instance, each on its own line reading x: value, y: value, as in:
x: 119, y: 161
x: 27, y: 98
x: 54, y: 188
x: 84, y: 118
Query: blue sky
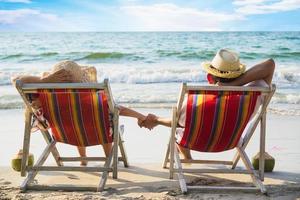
x: 153, y: 15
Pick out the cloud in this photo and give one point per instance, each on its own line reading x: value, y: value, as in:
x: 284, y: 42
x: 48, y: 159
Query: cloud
x: 251, y: 7
x: 247, y: 2
x: 21, y: 15
x: 16, y: 1
x: 31, y: 20
x: 170, y: 17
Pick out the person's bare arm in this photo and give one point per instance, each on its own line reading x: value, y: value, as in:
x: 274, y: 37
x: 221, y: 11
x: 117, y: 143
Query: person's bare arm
x: 262, y: 71
x: 60, y: 76
x: 164, y: 121
x: 27, y: 79
x: 124, y: 111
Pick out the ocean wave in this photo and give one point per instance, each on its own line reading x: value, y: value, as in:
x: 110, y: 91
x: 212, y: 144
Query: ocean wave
x: 279, y: 111
x: 150, y: 57
x: 13, y: 56
x: 25, y: 57
x: 257, y: 46
x: 186, y: 54
x: 295, y: 55
x: 291, y: 77
x: 48, y: 54
x: 89, y: 56
x: 5, y: 78
x: 10, y: 102
x: 283, y: 48
x: 147, y: 76
x: 281, y: 54
x: 291, y: 38
x: 105, y: 55
x: 157, y: 73
x: 280, y: 98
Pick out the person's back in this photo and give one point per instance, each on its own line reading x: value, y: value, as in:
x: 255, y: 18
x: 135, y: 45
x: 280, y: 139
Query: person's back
x: 224, y: 70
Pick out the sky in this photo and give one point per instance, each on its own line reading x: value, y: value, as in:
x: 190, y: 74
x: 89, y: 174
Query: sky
x: 152, y: 15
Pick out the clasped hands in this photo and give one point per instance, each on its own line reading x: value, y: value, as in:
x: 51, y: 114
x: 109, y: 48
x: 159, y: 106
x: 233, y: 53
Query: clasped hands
x: 149, y: 122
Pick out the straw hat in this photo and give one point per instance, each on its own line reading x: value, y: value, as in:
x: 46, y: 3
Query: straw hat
x: 79, y: 73
x: 225, y: 64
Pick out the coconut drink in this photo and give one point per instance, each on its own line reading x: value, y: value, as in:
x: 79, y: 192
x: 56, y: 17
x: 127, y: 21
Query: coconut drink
x: 269, y: 162
x: 17, y: 160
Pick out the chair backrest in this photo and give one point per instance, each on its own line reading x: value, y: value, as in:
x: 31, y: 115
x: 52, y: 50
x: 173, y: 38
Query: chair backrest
x: 216, y: 117
x: 78, y: 114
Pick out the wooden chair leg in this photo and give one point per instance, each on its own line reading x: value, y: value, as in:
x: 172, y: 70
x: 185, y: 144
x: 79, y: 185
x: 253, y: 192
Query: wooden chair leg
x: 26, y: 141
x: 167, y: 156
x: 40, y: 162
x: 235, y: 160
x: 116, y: 142
x: 262, y: 147
x: 255, y: 179
x: 105, y: 173
x: 245, y: 141
x: 181, y: 179
x: 54, y: 151
x: 172, y: 143
x: 121, y: 146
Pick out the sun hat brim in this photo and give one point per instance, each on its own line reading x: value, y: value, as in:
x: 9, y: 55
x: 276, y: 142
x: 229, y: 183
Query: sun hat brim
x: 79, y: 73
x: 223, y: 74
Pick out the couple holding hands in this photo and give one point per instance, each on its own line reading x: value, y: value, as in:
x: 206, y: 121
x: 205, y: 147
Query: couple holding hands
x: 225, y: 69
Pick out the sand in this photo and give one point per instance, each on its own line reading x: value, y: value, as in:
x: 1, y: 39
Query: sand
x: 145, y: 179
x: 147, y: 182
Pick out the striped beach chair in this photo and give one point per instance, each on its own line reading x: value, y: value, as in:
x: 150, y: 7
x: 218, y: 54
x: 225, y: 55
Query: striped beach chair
x: 217, y: 120
x: 79, y: 114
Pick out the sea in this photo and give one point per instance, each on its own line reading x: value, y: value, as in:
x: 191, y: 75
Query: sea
x: 146, y: 69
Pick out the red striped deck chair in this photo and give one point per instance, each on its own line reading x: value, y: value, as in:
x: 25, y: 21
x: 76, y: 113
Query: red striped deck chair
x: 217, y: 120
x: 79, y: 114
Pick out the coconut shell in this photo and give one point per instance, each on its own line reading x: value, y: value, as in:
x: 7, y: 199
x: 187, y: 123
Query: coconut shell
x: 17, y: 160
x: 269, y: 162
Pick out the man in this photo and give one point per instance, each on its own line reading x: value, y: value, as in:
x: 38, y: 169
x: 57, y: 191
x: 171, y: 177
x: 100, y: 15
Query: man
x: 225, y: 70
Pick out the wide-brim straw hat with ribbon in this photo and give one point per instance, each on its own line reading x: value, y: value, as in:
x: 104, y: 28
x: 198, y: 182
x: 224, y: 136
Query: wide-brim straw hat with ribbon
x: 225, y: 64
x: 79, y: 73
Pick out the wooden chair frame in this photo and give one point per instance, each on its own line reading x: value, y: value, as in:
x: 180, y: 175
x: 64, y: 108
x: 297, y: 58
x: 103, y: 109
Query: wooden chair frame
x: 110, y: 162
x: 172, y: 155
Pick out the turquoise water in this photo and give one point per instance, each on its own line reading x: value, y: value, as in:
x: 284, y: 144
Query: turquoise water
x: 146, y: 69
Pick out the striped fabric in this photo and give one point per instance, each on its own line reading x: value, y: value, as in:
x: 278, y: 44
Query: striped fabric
x: 216, y: 120
x: 77, y: 116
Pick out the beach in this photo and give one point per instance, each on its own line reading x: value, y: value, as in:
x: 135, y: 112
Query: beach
x: 145, y: 178
x: 145, y: 71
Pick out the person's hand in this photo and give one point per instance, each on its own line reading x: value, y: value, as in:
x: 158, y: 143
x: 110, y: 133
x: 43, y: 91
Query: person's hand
x: 60, y: 76
x: 141, y: 121
x: 150, y: 122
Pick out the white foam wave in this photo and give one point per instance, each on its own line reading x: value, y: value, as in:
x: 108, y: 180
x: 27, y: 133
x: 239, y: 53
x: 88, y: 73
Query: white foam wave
x: 144, y: 76
x: 278, y: 111
x: 287, y: 75
x: 292, y: 98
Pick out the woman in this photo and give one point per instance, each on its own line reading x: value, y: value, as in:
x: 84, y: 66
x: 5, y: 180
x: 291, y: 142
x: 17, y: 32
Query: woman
x: 71, y: 72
